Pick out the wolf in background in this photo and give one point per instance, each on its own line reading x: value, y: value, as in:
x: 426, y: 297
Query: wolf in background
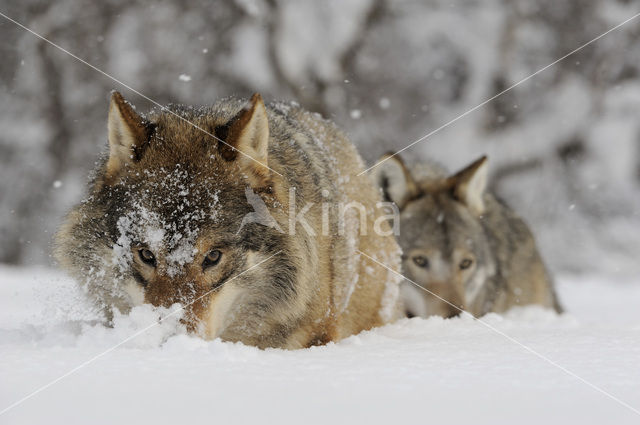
x: 163, y: 224
x: 461, y: 243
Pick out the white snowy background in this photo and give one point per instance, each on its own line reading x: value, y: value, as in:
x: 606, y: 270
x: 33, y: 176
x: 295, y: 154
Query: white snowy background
x: 564, y: 151
x: 455, y: 371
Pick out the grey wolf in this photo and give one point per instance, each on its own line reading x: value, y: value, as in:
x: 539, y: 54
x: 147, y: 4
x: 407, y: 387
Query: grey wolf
x: 461, y: 243
x: 170, y: 218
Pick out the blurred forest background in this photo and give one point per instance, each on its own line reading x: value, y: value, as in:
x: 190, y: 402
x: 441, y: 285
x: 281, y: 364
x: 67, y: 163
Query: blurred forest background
x: 564, y: 147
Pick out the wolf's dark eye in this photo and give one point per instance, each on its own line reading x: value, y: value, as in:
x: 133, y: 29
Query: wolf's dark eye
x: 465, y: 264
x: 147, y: 257
x: 212, y: 258
x: 421, y: 261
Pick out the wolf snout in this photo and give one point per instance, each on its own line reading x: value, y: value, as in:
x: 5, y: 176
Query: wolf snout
x: 448, y: 301
x: 166, y: 292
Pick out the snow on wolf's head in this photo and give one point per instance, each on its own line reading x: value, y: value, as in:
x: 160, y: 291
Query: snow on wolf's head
x: 161, y: 224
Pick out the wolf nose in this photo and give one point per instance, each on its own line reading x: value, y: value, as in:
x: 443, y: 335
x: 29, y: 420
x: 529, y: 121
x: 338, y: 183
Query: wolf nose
x: 453, y: 313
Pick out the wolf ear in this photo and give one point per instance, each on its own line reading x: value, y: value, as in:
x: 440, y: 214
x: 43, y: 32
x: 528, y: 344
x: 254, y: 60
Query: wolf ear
x: 469, y: 185
x: 247, y: 138
x: 394, y: 178
x: 128, y: 134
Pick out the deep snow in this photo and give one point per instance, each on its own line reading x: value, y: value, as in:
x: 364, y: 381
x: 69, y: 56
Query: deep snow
x: 415, y: 371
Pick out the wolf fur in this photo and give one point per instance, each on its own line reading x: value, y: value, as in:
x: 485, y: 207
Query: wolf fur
x: 461, y: 243
x: 163, y: 224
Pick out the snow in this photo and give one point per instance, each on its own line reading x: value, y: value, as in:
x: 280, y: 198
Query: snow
x: 297, y: 36
x: 384, y: 103
x: 413, y: 371
x: 402, y: 70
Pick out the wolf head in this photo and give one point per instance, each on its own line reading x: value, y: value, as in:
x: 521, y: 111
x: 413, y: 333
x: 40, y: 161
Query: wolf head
x: 445, y: 249
x: 162, y: 221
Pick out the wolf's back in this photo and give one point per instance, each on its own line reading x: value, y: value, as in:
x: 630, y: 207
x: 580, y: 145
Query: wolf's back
x: 363, y: 293
x: 521, y: 270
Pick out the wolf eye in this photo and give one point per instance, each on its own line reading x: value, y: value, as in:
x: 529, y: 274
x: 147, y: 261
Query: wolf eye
x: 147, y: 257
x: 421, y: 261
x: 212, y: 258
x: 465, y: 264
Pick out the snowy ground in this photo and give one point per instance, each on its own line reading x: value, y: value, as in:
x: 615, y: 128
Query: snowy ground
x: 413, y: 372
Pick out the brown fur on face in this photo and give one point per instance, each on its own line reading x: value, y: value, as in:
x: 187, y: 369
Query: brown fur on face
x: 174, y: 189
x: 461, y: 244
